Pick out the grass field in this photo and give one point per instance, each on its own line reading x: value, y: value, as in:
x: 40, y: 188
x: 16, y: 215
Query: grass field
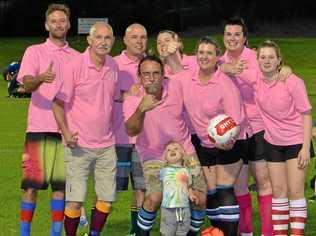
x: 299, y: 53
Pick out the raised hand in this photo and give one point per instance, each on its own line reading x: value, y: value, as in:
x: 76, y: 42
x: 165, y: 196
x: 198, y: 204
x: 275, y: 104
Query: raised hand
x: 149, y: 102
x: 48, y: 76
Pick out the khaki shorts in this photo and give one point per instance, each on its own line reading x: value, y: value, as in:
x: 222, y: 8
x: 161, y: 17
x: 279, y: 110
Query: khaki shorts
x: 80, y: 162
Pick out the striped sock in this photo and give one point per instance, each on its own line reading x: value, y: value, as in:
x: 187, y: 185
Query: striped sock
x: 228, y: 210
x: 146, y: 219
x: 57, y: 213
x: 27, y: 211
x: 100, y: 214
x: 72, y: 218
x: 280, y: 216
x: 134, y: 215
x: 245, y: 220
x: 212, y: 208
x: 298, y: 216
x: 197, y: 220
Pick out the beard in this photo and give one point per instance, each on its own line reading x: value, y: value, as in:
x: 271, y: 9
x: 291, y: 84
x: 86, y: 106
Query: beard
x: 153, y: 89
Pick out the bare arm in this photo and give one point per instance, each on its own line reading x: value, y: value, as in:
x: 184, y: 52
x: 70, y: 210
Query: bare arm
x: 134, y: 124
x: 304, y: 154
x: 59, y: 113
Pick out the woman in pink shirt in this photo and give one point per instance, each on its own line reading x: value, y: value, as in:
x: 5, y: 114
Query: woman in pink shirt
x: 286, y: 113
x: 235, y: 41
x: 217, y: 94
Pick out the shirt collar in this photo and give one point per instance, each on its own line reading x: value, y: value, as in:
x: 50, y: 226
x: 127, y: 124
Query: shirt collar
x: 54, y: 47
x: 215, y: 78
x: 126, y: 60
x: 90, y: 64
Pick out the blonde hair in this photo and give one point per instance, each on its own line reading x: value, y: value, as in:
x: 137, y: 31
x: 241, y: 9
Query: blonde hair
x: 273, y: 45
x: 174, y: 35
x: 165, y: 151
x: 57, y: 7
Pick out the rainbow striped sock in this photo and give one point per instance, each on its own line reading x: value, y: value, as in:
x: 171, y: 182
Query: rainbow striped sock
x: 27, y: 211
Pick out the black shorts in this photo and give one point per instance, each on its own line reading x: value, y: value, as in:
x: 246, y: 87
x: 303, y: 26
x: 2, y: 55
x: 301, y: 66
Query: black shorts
x: 215, y: 156
x: 275, y: 153
x: 196, y: 143
x: 253, y: 148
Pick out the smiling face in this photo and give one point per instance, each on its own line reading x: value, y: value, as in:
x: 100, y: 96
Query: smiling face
x: 207, y: 56
x: 174, y: 153
x: 135, y: 40
x: 268, y: 60
x: 234, y: 38
x: 57, y: 24
x: 101, y: 39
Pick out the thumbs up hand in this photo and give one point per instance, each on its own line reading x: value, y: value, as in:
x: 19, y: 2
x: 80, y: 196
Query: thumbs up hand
x: 48, y: 76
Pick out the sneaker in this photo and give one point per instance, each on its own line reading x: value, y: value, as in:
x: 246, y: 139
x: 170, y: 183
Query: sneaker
x: 83, y: 221
x: 312, y: 199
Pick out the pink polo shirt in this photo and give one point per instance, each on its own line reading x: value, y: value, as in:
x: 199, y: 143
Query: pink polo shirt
x: 205, y: 101
x: 89, y: 95
x: 188, y: 64
x: 246, y: 91
x: 281, y: 105
x: 36, y: 61
x: 127, y: 76
x: 162, y: 124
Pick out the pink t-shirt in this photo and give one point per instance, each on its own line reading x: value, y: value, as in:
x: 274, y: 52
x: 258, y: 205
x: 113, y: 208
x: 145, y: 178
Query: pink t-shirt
x: 281, y: 105
x: 205, y: 101
x: 89, y: 94
x: 246, y: 91
x: 162, y: 124
x: 127, y: 76
x: 188, y: 63
x: 36, y: 61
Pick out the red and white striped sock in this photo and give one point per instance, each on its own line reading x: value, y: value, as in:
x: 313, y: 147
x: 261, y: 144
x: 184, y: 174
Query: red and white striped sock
x: 298, y: 216
x: 280, y: 216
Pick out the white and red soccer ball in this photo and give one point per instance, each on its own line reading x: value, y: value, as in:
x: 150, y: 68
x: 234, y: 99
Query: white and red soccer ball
x: 221, y: 129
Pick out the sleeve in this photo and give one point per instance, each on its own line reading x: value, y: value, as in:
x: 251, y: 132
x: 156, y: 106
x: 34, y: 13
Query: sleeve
x: 232, y: 101
x: 66, y: 84
x: 29, y: 65
x: 130, y: 105
x: 250, y: 76
x: 297, y: 89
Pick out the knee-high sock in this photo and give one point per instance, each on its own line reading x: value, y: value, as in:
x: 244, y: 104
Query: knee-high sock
x: 100, y: 214
x: 57, y: 213
x: 265, y: 212
x: 298, y: 216
x: 72, y: 218
x: 27, y: 211
x: 245, y: 220
x: 197, y: 220
x: 134, y: 216
x: 280, y: 216
x: 228, y: 210
x: 212, y: 208
x: 145, y: 221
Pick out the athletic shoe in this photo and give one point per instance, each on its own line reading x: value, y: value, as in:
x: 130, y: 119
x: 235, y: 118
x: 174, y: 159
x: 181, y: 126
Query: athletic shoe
x: 83, y: 221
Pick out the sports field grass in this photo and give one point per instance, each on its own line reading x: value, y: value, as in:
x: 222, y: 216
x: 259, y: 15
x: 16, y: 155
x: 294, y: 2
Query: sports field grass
x: 299, y: 53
